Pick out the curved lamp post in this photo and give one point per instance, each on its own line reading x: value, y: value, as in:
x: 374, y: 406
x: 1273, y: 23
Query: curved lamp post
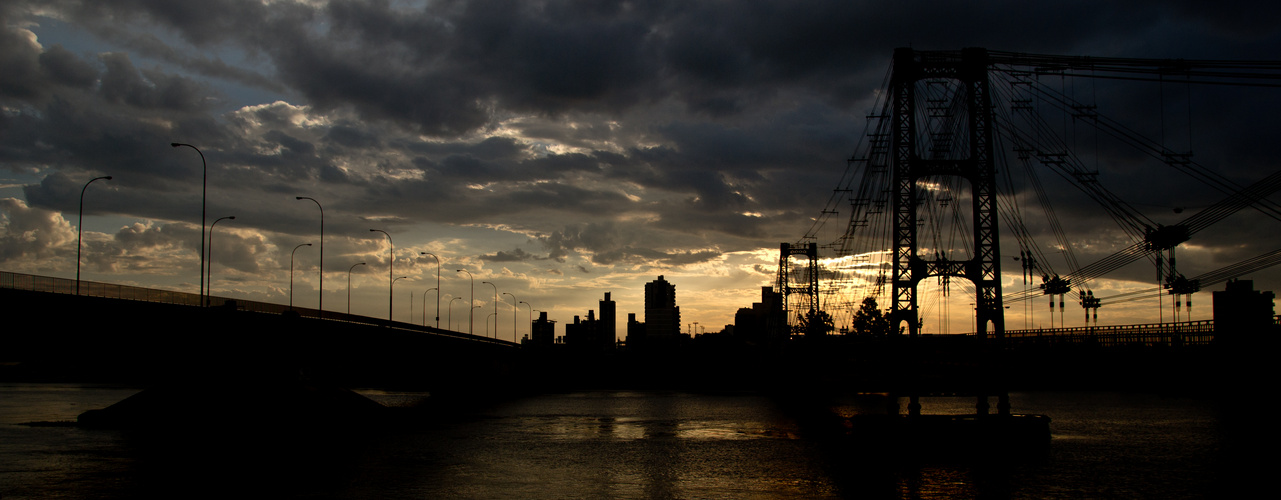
x: 353, y: 266
x: 80, y: 226
x: 321, y: 306
x: 291, y: 274
x: 209, y: 268
x: 391, y: 260
x: 495, y: 310
x: 451, y: 313
x: 531, y: 318
x: 437, y: 306
x: 471, y: 321
x: 204, y: 192
x: 514, y: 339
x: 437, y: 291
x: 411, y: 300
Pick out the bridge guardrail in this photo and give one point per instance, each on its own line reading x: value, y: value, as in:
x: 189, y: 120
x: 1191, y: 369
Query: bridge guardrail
x: 1181, y: 333
x: 65, y: 286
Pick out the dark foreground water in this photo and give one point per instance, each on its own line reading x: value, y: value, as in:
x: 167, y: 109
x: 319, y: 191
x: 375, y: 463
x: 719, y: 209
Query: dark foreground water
x: 616, y: 445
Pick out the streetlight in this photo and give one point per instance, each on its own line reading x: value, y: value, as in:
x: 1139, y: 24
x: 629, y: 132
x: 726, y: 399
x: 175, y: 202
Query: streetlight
x: 471, y: 321
x: 204, y: 192
x: 495, y: 310
x: 451, y: 313
x: 514, y: 339
x: 321, y: 306
x: 353, y: 266
x: 411, y: 299
x: 437, y: 291
x: 80, y: 227
x: 437, y: 306
x: 495, y: 315
x: 291, y: 274
x: 531, y: 318
x: 391, y: 259
x: 209, y: 269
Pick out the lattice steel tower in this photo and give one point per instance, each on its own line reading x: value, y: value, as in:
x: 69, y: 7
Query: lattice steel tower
x: 785, y: 287
x: 964, y: 150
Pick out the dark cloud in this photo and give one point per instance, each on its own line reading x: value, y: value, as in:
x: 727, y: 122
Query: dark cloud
x: 352, y: 136
x: 635, y: 255
x: 292, y: 145
x: 19, y: 64
x: 64, y: 68
x: 516, y: 255
x: 570, y: 198
x: 611, y: 243
x: 594, y: 237
x: 151, y: 46
x: 489, y: 148
x: 441, y: 69
x: 535, y: 59
x: 124, y: 84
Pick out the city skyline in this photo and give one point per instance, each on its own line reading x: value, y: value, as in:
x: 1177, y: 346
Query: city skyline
x: 559, y: 151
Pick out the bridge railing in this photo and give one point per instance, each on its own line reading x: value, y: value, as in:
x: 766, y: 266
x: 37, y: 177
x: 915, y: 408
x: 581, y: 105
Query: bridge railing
x: 49, y: 284
x: 1155, y: 334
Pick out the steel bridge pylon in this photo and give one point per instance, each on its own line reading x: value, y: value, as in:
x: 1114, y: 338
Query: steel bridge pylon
x: 969, y: 69
x: 809, y: 291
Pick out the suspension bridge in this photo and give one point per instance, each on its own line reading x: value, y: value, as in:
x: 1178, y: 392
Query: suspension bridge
x: 1069, y: 168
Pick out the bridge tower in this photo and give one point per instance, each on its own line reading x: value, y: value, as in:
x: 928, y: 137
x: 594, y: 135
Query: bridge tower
x: 784, y: 286
x: 965, y: 151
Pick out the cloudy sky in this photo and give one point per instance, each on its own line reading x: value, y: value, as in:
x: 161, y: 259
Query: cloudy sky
x: 558, y: 149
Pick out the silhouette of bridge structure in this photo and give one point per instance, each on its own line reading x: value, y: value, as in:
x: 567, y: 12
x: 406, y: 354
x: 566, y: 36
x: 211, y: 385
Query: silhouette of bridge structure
x: 234, y: 353
x: 936, y: 169
x: 929, y: 189
x: 63, y: 286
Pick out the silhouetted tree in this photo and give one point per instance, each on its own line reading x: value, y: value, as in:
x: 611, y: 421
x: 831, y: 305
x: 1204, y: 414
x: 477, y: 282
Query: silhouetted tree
x: 815, y: 323
x: 870, y: 320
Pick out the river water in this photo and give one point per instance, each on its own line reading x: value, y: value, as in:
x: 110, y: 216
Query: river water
x: 616, y: 445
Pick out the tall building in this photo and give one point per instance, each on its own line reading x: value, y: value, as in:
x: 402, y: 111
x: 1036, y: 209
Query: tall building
x: 662, y: 317
x: 606, y: 327
x: 595, y: 333
x: 581, y: 335
x: 544, y: 334
x: 1242, y: 314
x: 753, y: 324
x: 635, y: 332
